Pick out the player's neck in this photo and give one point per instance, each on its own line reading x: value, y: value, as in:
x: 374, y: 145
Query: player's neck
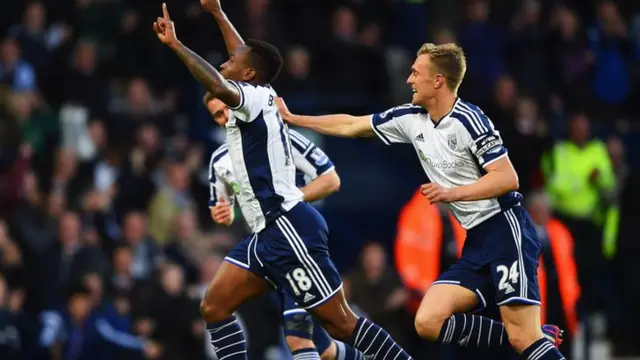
x: 440, y: 106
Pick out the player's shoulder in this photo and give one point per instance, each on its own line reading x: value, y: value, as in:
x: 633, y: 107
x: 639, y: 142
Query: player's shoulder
x: 219, y: 154
x: 254, y: 90
x: 403, y: 110
x: 472, y: 119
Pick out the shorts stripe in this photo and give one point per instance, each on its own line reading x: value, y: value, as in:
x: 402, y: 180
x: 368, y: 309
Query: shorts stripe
x: 305, y: 254
x: 294, y: 311
x: 236, y: 262
x: 299, y: 249
x: 515, y: 230
x: 298, y: 252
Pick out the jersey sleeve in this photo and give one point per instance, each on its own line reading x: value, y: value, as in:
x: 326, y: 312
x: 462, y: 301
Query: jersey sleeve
x: 307, y: 157
x: 392, y: 126
x: 482, y: 139
x: 218, y: 188
x: 253, y: 99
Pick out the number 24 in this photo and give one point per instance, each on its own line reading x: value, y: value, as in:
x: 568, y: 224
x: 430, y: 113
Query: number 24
x: 511, y: 274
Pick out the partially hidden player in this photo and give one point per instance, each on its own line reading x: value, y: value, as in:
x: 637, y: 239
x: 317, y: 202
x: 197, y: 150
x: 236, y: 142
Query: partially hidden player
x: 288, y: 248
x: 317, y: 178
x: 463, y: 155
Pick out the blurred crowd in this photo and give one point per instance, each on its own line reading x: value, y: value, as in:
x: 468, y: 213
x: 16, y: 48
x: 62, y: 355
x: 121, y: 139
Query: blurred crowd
x: 106, y: 242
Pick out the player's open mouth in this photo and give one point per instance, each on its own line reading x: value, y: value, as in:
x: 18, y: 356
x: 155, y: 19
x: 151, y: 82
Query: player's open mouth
x: 414, y: 91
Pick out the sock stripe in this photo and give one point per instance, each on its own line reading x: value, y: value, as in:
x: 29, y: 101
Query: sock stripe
x: 224, y: 337
x: 213, y: 331
x: 540, y: 351
x: 373, y: 341
x: 387, y: 353
x: 230, y: 345
x: 381, y: 346
x: 363, y: 335
x: 227, y: 339
x: 479, y: 332
x: 451, y: 327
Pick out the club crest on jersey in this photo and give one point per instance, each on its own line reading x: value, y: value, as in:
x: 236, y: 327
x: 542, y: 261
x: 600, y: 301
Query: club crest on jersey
x: 235, y: 187
x: 422, y: 155
x: 452, y: 141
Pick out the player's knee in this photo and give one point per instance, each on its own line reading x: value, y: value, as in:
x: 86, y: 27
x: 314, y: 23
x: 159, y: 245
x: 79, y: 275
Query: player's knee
x: 298, y: 326
x: 296, y: 343
x: 520, y: 338
x: 429, y: 321
x: 341, y: 326
x: 330, y: 353
x: 211, y: 312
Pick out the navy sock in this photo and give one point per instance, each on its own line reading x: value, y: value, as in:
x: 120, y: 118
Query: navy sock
x: 227, y: 339
x: 542, y: 349
x: 346, y: 352
x: 306, y: 354
x: 374, y: 342
x: 469, y: 330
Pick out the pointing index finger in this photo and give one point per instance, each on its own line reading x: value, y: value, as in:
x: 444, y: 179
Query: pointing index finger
x: 165, y: 11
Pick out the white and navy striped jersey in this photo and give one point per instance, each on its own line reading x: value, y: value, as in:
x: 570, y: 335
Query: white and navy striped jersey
x: 452, y: 152
x: 310, y: 162
x: 261, y: 156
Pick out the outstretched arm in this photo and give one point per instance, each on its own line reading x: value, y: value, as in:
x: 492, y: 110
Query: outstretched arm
x: 232, y: 38
x: 206, y: 74
x: 341, y: 125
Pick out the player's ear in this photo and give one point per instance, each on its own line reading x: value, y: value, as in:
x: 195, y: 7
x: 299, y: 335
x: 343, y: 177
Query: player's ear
x: 249, y: 75
x: 439, y: 81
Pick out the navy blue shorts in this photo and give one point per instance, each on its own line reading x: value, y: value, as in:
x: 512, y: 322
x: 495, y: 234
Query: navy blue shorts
x: 500, y: 256
x: 293, y: 255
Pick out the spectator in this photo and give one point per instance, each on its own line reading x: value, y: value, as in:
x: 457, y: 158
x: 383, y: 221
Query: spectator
x: 32, y: 34
x: 374, y: 278
x: 613, y: 51
x: 15, y: 73
x: 577, y: 172
x: 10, y: 341
x: 188, y: 250
x: 146, y: 254
x: 172, y: 198
x: 483, y: 46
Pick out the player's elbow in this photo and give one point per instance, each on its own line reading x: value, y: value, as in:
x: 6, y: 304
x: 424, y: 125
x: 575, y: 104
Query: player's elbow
x: 513, y: 182
x: 333, y: 182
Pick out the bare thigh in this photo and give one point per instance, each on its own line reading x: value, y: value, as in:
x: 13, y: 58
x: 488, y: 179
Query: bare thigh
x: 230, y: 287
x: 439, y: 303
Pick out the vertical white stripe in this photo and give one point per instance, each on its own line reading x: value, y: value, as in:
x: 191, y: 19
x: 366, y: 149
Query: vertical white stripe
x: 477, y: 118
x: 382, y: 346
x: 479, y: 332
x: 518, y: 237
x: 490, y: 329
x: 305, y: 253
x: 247, y: 200
x: 299, y: 254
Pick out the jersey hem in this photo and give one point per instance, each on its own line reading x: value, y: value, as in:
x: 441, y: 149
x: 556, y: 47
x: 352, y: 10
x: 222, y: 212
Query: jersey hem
x: 333, y: 168
x: 241, y: 103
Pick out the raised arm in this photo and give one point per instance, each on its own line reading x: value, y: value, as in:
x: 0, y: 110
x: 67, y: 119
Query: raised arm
x: 206, y: 74
x: 232, y: 38
x: 341, y: 125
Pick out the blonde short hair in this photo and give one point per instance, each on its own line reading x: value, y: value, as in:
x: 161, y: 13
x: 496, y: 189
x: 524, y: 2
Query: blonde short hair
x: 447, y: 59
